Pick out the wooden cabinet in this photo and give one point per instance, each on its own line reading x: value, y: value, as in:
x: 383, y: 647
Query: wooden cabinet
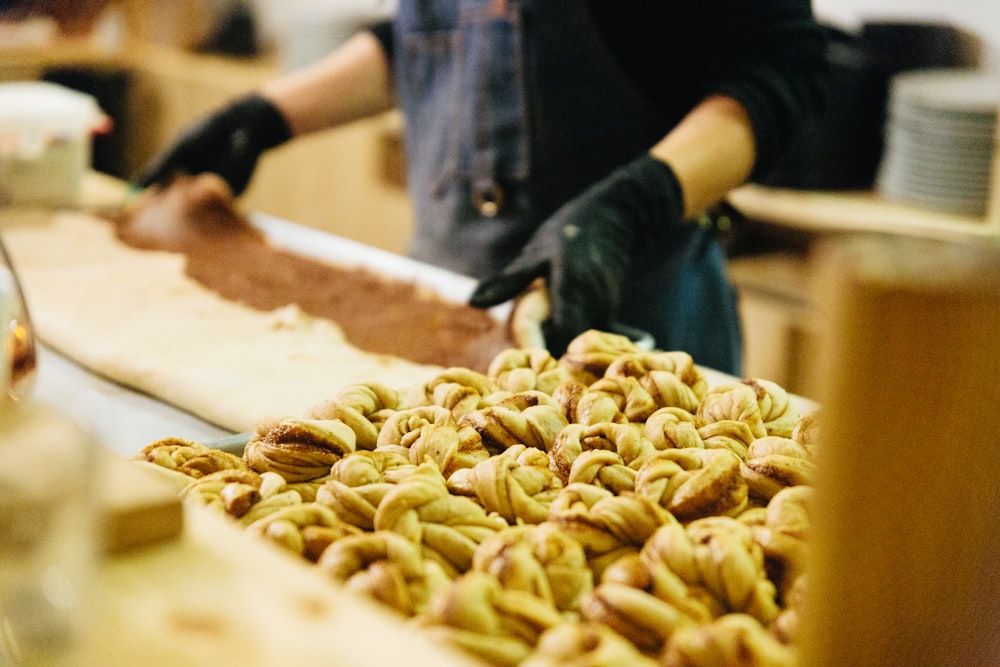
x: 779, y: 335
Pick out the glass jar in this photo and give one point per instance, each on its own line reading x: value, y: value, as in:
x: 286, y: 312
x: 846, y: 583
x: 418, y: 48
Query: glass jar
x: 47, y: 531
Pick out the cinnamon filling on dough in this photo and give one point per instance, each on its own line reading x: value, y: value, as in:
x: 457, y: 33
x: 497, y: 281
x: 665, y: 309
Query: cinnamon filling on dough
x: 196, y: 216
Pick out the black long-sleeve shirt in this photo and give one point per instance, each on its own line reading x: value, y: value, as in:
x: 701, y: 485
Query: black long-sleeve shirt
x: 766, y: 54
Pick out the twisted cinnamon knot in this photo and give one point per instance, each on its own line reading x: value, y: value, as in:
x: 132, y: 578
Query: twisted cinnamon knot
x: 363, y: 407
x: 729, y: 434
x: 581, y: 406
x: 774, y: 463
x: 606, y: 525
x: 782, y: 529
x: 386, y: 567
x: 516, y: 370
x: 672, y: 428
x: 358, y: 483
x: 631, y: 397
x: 189, y: 457
x: 670, y: 379
x: 626, y: 440
x: 275, y: 494
x: 447, y: 527
x: 243, y: 495
x: 807, y: 430
x: 647, y: 573
x: 585, y: 644
x: 538, y: 559
x: 716, y: 557
x: 588, y: 355
x: 643, y: 619
x: 603, y: 469
x: 459, y: 390
x: 693, y: 483
x: 502, y: 426
x: 786, y: 626
x: 522, y: 400
x: 305, y: 530
x: 430, y: 433
x: 450, y: 447
x: 776, y: 408
x: 364, y: 468
x: 231, y: 491
x: 309, y: 488
x: 299, y: 449
x: 682, y: 365
x: 731, y: 401
x: 499, y: 625
x: 516, y: 484
x: 733, y: 639
x: 402, y: 429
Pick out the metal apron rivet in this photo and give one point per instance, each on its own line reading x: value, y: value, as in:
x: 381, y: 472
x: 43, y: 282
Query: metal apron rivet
x: 488, y: 201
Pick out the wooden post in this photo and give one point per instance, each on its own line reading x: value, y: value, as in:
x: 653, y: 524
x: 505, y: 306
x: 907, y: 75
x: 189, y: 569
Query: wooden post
x: 906, y: 519
x: 993, y: 204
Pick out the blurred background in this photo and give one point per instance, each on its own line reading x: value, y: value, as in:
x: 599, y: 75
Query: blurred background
x: 156, y: 65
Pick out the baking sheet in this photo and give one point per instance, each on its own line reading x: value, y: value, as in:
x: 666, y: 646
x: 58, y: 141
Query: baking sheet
x: 117, y: 417
x: 327, y: 247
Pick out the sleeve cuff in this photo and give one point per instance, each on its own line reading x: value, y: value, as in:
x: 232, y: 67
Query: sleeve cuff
x: 383, y: 33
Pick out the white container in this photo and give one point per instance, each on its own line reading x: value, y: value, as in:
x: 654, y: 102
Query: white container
x: 45, y: 142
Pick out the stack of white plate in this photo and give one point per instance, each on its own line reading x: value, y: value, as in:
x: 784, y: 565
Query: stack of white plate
x: 939, y: 140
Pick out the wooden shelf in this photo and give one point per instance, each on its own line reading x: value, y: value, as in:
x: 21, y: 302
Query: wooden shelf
x: 822, y: 212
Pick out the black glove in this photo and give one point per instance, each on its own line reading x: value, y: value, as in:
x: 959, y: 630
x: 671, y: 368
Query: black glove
x: 227, y: 143
x: 585, y: 249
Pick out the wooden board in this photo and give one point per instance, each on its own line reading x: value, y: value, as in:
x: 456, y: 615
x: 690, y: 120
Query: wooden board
x: 136, y: 505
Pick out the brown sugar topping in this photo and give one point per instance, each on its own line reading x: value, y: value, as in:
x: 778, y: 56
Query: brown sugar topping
x: 196, y: 217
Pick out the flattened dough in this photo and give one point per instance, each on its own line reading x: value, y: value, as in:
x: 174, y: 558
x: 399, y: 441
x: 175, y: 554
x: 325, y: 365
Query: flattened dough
x: 134, y: 317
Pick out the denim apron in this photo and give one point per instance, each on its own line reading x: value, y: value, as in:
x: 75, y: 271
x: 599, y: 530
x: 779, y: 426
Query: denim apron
x: 512, y: 108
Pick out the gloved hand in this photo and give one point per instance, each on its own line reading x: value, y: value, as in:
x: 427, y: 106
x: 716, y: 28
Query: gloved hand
x: 585, y: 249
x: 228, y: 143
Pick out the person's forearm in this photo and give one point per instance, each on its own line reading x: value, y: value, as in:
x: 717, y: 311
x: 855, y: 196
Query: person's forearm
x: 352, y: 82
x: 711, y: 152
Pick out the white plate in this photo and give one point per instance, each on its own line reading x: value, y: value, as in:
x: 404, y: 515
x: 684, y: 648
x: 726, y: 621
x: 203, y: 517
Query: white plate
x: 949, y: 89
x: 955, y: 144
x: 933, y: 173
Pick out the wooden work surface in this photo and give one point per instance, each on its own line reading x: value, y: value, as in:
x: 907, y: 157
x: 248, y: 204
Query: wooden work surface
x: 215, y: 595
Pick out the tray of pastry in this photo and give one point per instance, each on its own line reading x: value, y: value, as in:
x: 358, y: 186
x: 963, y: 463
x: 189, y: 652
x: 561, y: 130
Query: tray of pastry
x: 614, y: 505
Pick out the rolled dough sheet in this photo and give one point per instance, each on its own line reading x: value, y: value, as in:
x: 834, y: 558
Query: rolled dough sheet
x: 134, y: 317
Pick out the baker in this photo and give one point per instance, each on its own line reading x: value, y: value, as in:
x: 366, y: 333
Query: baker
x: 576, y: 142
